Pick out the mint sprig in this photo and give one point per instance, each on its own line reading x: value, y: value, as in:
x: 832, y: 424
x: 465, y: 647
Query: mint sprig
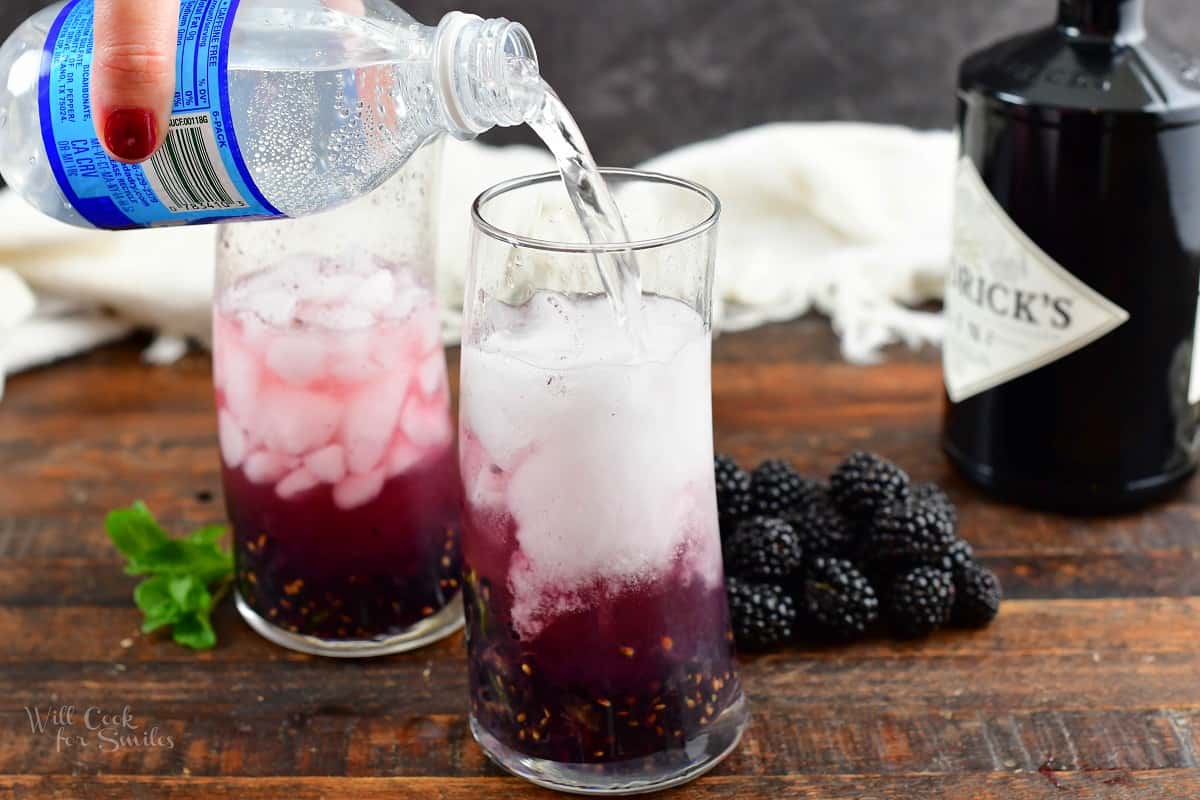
x: 181, y: 573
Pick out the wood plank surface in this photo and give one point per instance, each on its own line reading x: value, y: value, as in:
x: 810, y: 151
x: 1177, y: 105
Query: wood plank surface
x: 1087, y: 686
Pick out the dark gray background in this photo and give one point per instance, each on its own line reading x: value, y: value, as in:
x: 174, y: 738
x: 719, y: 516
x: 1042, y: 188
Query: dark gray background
x: 643, y: 76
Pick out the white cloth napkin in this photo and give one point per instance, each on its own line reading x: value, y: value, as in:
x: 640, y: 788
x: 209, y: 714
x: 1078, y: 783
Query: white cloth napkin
x: 852, y: 220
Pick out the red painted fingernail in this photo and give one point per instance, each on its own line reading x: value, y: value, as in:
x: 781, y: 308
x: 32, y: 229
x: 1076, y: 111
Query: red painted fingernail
x: 131, y: 134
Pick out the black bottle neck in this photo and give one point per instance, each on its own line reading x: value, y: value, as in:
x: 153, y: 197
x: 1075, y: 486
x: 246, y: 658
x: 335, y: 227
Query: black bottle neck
x: 1123, y: 21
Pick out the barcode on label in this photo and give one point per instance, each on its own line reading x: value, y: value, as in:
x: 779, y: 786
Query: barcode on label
x: 188, y: 173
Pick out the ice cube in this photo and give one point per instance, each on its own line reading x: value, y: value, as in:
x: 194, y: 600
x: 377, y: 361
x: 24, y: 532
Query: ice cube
x: 357, y: 263
x: 426, y: 424
x: 265, y: 466
x: 256, y: 334
x: 328, y: 464
x: 224, y: 337
x: 403, y: 457
x: 431, y: 375
x: 370, y: 422
x: 358, y: 490
x: 427, y: 324
x: 405, y: 277
x: 406, y: 297
x: 233, y: 441
x: 387, y: 347
x: 237, y: 297
x: 295, y: 421
x: 292, y: 273
x: 296, y: 483
x: 298, y: 358
x: 241, y: 374
x: 326, y: 288
x: 337, y: 318
x: 262, y: 291
x: 276, y: 307
x: 351, y: 357
x: 375, y: 293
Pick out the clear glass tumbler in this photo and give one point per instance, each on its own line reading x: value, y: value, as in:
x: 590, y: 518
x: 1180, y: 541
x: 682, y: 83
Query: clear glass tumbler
x: 337, y: 443
x: 601, y: 656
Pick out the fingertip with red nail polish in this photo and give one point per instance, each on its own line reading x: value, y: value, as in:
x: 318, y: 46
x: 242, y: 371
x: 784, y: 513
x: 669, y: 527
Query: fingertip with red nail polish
x: 131, y: 134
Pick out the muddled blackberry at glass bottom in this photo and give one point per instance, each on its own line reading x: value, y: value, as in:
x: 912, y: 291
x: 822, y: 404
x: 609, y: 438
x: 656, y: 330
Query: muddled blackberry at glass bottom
x: 628, y: 677
x: 316, y: 570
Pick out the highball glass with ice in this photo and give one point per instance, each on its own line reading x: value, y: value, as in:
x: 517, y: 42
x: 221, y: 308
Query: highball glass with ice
x: 337, y: 445
x: 601, y: 657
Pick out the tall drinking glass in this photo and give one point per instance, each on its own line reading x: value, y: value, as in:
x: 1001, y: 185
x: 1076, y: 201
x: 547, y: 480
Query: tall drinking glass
x: 601, y: 656
x: 337, y: 443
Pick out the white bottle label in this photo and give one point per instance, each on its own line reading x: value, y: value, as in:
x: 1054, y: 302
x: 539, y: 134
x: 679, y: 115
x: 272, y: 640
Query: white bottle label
x: 1010, y: 308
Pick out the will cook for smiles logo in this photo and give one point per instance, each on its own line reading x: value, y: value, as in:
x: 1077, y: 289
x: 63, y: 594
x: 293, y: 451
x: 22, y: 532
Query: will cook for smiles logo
x: 94, y: 728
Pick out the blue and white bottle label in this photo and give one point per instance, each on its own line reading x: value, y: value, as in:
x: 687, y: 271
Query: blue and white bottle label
x: 197, y: 175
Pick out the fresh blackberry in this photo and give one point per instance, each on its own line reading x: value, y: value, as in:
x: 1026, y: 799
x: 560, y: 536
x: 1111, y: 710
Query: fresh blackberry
x: 838, y: 600
x: 763, y: 615
x: 920, y: 601
x: 865, y: 483
x: 776, y: 488
x: 764, y: 548
x: 814, y: 492
x: 933, y: 495
x: 910, y: 532
x: 733, y: 488
x: 959, y: 557
x: 881, y: 571
x: 822, y: 529
x: 976, y: 597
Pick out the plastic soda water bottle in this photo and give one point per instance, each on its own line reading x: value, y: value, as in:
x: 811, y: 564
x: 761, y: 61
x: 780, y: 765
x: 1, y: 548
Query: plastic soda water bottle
x: 282, y: 108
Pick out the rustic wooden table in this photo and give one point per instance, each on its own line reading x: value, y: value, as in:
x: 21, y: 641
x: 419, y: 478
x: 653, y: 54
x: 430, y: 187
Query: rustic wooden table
x: 1087, y: 686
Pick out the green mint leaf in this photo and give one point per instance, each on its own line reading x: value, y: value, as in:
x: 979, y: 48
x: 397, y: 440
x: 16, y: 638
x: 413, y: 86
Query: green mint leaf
x: 189, y: 593
x: 195, y: 630
x: 208, y: 535
x: 205, y: 561
x: 151, y: 624
x: 179, y: 572
x: 134, y: 530
x: 153, y: 597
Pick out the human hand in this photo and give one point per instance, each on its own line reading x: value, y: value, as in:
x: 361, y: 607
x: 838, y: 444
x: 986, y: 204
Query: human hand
x: 133, y: 75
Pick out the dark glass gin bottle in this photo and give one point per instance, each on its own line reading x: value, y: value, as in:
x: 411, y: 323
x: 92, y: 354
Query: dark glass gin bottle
x: 1071, y: 304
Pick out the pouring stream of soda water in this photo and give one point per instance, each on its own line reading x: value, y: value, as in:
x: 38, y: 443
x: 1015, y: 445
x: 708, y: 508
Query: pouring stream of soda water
x: 597, y: 210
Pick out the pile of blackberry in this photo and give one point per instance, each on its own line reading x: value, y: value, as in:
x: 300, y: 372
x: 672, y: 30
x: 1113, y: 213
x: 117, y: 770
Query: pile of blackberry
x: 832, y: 562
